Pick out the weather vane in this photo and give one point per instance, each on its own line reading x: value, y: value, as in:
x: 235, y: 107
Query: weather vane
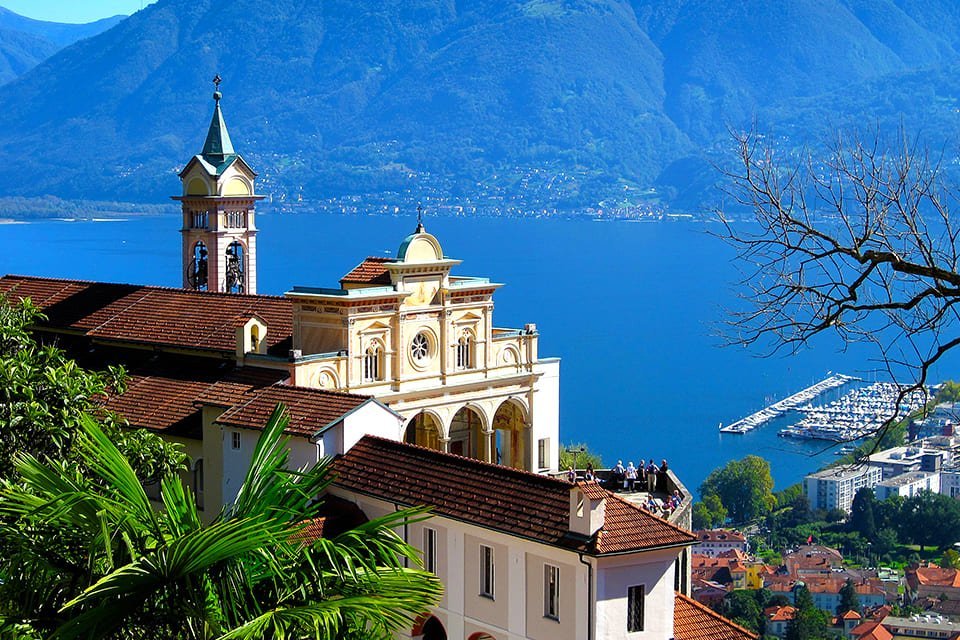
x: 216, y: 90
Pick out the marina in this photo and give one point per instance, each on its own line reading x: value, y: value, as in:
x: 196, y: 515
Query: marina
x: 857, y: 414
x: 790, y: 403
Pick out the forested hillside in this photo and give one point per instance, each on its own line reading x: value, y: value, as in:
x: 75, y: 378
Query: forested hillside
x: 579, y: 101
x: 24, y: 43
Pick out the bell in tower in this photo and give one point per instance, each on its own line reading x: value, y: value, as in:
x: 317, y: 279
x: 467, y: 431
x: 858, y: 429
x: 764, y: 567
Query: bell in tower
x: 218, y: 202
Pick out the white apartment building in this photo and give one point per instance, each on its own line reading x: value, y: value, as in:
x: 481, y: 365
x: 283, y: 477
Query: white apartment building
x: 835, y: 488
x: 908, y: 485
x: 524, y: 556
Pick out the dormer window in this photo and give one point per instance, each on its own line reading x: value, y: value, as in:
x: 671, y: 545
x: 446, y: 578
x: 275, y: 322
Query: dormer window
x: 465, y: 353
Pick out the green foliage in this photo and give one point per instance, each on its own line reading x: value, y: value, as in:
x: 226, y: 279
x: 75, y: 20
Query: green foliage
x: 578, y: 456
x: 44, y: 395
x: 745, y: 487
x: 93, y: 558
x: 788, y: 497
x: 809, y: 622
x: 709, y: 513
x: 849, y: 600
x: 950, y: 559
x: 949, y: 391
x: 930, y: 519
x: 862, y: 518
x: 745, y: 607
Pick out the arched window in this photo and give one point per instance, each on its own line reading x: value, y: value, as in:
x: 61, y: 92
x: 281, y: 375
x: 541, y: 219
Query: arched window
x: 371, y: 363
x: 235, y: 279
x: 465, y: 352
x: 197, y: 270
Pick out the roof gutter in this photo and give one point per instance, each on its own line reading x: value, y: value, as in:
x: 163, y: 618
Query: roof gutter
x: 590, y: 603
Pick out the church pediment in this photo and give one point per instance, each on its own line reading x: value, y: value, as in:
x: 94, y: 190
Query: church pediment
x: 469, y: 317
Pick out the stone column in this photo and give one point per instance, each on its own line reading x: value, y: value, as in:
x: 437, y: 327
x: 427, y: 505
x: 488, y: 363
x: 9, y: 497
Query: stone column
x: 489, y: 443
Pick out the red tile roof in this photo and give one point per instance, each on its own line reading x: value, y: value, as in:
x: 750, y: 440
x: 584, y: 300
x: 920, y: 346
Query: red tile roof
x: 153, y: 315
x: 516, y: 502
x: 720, y: 535
x: 872, y: 630
x: 781, y: 614
x: 309, y: 410
x: 168, y: 401
x: 694, y: 621
x: 370, y: 271
x: 824, y: 584
x: 935, y: 576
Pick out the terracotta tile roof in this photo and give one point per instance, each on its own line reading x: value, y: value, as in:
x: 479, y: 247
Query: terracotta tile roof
x: 851, y: 615
x: 872, y: 630
x: 516, y: 502
x: 694, y: 621
x: 370, y: 271
x: 153, y: 315
x: 936, y: 576
x: 720, y: 535
x: 165, y: 400
x: 779, y: 614
x: 310, y: 410
x: 825, y: 584
x: 336, y: 516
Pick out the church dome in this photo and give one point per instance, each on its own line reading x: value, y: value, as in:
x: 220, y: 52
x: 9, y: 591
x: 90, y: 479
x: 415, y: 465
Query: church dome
x: 420, y: 246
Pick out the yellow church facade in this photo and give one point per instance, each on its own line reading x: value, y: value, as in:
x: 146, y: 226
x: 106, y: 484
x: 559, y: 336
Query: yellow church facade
x: 423, y: 341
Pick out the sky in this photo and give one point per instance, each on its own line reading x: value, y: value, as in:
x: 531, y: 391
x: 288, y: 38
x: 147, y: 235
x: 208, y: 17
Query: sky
x: 73, y: 10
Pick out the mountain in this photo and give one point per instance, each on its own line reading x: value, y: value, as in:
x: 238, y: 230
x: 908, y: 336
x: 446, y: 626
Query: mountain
x: 24, y: 42
x: 561, y: 102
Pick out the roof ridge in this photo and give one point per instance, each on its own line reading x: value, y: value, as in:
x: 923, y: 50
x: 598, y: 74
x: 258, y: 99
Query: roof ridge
x: 714, y: 614
x: 477, y: 463
x: 247, y: 296
x: 329, y: 392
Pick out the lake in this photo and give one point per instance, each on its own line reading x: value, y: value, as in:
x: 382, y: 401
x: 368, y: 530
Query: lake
x: 632, y: 309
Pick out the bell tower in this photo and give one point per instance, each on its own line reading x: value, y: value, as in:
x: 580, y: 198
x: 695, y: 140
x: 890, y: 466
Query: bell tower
x: 218, y: 202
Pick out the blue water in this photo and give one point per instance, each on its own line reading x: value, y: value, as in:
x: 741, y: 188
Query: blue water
x: 631, y: 308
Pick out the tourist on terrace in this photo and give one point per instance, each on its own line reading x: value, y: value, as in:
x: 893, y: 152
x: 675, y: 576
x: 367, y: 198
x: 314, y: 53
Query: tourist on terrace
x: 662, y: 477
x: 675, y: 499
x: 571, y: 474
x: 617, y: 475
x: 589, y: 475
x: 630, y: 473
x: 642, y: 474
x: 652, y: 476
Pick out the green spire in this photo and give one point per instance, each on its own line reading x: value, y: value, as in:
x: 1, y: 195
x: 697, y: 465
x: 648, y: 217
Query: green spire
x: 217, y: 146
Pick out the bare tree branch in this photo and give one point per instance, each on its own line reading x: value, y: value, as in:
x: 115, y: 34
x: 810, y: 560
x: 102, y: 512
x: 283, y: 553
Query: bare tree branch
x: 859, y: 244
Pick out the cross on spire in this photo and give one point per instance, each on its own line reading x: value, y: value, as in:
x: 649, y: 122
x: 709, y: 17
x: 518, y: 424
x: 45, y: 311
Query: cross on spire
x: 419, y: 218
x: 216, y: 87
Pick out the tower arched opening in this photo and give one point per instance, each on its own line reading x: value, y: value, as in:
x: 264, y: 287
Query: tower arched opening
x: 235, y: 277
x: 198, y: 268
